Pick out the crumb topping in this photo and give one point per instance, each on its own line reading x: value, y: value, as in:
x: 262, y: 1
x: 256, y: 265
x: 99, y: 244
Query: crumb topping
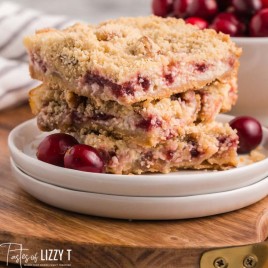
x: 118, y: 49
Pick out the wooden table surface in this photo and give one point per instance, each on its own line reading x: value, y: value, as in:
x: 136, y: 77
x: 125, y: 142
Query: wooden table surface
x: 100, y: 243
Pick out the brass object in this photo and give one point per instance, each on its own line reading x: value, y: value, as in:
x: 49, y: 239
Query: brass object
x: 220, y: 263
x: 250, y: 261
x: 249, y: 256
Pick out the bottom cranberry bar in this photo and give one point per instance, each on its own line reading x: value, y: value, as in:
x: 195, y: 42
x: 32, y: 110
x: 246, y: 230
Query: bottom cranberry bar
x: 205, y: 146
x: 146, y: 123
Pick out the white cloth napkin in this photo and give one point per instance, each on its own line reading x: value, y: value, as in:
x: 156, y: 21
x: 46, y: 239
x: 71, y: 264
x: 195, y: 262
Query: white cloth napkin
x: 15, y: 23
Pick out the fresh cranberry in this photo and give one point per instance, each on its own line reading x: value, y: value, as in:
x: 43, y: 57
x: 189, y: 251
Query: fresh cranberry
x: 199, y: 22
x: 52, y: 149
x: 181, y: 8
x: 204, y: 8
x: 264, y: 3
x: 247, y: 6
x: 228, y: 23
x: 85, y: 158
x: 224, y: 4
x: 259, y: 24
x: 249, y: 132
x: 197, y: 8
x: 162, y: 7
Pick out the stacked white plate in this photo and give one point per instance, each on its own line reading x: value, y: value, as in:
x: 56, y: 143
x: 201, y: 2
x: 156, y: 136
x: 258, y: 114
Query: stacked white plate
x: 178, y: 195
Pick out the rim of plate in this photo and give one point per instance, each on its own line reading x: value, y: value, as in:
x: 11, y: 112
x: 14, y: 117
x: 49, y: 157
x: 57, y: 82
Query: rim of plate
x: 141, y: 208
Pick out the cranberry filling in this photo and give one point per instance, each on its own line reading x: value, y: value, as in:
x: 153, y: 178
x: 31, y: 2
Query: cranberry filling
x: 170, y: 73
x: 231, y: 62
x: 194, y: 152
x: 106, y: 155
x: 170, y: 154
x: 170, y: 136
x: 175, y: 97
x: 201, y: 67
x: 125, y: 89
x: 35, y: 59
x: 149, y: 124
x: 76, y: 117
x: 193, y: 148
x: 169, y: 78
x: 148, y: 156
x: 222, y: 140
x: 102, y: 117
x: 144, y: 82
x: 225, y: 140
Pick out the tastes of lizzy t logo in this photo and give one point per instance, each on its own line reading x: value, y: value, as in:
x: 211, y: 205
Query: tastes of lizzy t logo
x: 15, y: 253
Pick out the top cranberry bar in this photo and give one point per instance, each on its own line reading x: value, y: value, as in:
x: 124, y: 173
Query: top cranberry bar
x: 132, y: 59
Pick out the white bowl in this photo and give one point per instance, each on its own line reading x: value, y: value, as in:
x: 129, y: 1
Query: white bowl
x: 141, y: 208
x: 253, y: 79
x: 24, y: 139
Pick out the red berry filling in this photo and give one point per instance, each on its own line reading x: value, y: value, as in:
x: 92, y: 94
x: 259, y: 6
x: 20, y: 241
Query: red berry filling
x: 128, y: 88
x: 201, y: 67
x: 102, y: 117
x: 149, y: 124
x: 144, y: 82
x: 36, y: 59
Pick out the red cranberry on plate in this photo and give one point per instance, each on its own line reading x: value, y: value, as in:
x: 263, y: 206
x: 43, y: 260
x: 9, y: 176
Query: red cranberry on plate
x: 200, y: 8
x: 259, y: 24
x: 228, y: 23
x: 199, y: 22
x: 85, y: 158
x: 249, y: 131
x: 52, y: 149
x: 247, y: 6
x: 162, y: 7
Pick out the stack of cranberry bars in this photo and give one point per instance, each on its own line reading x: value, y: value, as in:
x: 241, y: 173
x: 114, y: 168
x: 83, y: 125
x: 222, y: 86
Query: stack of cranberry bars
x: 143, y: 91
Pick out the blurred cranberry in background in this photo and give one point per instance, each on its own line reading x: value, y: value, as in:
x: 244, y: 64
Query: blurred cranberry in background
x: 224, y: 4
x: 198, y: 8
x: 259, y: 24
x: 181, y: 8
x: 204, y: 8
x: 162, y: 7
x: 234, y: 17
x: 264, y: 3
x: 228, y: 23
x: 199, y: 22
x: 247, y: 6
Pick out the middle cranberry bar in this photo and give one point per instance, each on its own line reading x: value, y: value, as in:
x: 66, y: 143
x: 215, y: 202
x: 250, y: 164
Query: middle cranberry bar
x: 146, y: 123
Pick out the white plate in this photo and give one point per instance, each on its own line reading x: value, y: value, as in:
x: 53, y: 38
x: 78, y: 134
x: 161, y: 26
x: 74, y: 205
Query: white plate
x: 141, y: 208
x: 24, y: 139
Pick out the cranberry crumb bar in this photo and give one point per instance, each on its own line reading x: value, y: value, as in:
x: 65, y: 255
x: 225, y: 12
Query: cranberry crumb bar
x: 129, y: 60
x: 143, y: 91
x: 146, y: 123
x: 206, y: 146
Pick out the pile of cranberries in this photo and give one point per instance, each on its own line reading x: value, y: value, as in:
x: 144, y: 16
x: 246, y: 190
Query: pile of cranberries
x: 233, y: 17
x: 63, y: 150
